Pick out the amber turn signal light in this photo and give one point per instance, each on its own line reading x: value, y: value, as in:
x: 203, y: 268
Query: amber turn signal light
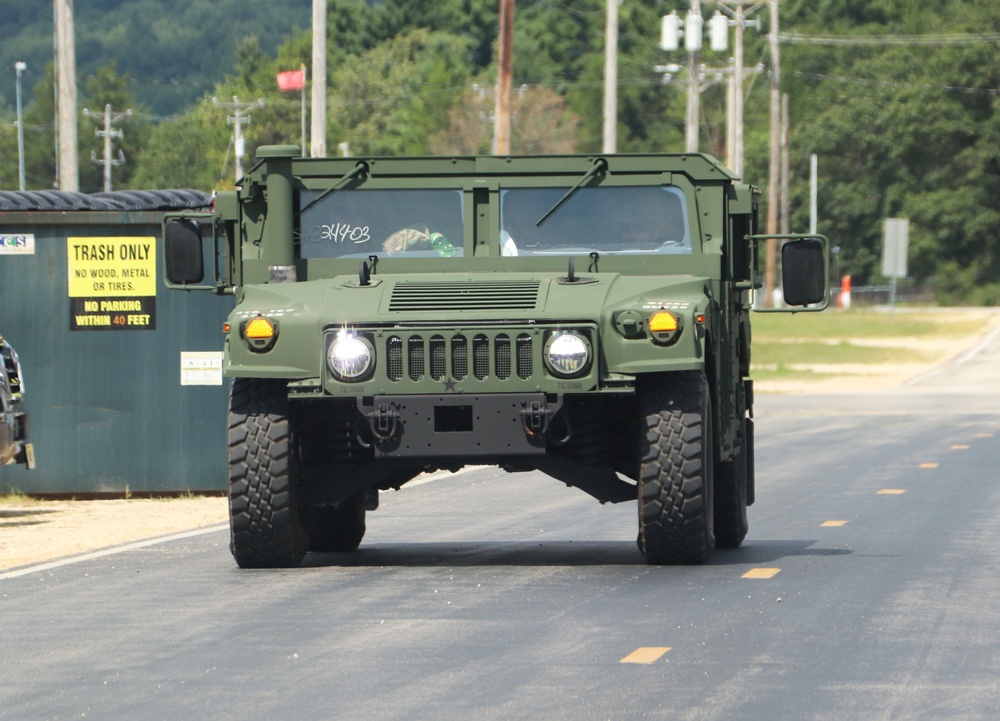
x: 664, y: 327
x: 259, y: 328
x: 260, y: 333
x: 663, y: 322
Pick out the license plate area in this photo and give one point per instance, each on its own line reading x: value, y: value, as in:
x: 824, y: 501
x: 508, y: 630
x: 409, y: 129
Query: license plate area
x: 511, y: 424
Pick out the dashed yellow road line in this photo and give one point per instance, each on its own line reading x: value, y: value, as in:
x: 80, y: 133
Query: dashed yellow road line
x: 646, y: 654
x: 892, y: 492
x: 960, y: 447
x: 761, y: 573
x: 929, y: 465
x: 983, y: 435
x: 833, y: 524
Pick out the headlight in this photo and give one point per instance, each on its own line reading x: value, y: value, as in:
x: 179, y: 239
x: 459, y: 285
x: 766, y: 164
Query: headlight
x: 567, y: 354
x: 349, y: 357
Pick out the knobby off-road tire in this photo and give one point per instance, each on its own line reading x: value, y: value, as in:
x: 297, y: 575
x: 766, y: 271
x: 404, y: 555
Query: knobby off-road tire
x: 675, y: 469
x: 266, y: 529
x: 730, y: 482
x: 338, y: 528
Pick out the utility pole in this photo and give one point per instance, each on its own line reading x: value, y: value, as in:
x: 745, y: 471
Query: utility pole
x: 305, y: 84
x: 611, y: 78
x: 813, y: 192
x: 735, y: 144
x: 692, y: 43
x: 238, y: 119
x: 318, y: 143
x: 67, y: 163
x: 700, y: 78
x: 784, y: 226
x: 20, y: 67
x: 108, y: 134
x: 505, y: 62
x: 739, y: 12
x: 775, y: 165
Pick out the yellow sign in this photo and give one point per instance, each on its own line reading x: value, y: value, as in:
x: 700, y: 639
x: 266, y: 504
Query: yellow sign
x: 112, y: 283
x: 117, y: 267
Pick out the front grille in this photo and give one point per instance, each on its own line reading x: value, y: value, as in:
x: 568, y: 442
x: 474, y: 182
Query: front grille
x: 394, y: 358
x: 464, y: 295
x: 498, y: 356
x: 416, y: 365
x: 439, y: 358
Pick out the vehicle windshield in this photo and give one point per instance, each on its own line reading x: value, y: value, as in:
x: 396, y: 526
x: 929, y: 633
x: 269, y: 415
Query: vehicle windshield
x: 359, y: 223
x: 607, y: 219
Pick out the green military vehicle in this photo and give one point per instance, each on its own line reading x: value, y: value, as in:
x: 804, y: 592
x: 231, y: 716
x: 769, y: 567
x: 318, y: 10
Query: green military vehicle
x: 584, y: 316
x: 14, y: 446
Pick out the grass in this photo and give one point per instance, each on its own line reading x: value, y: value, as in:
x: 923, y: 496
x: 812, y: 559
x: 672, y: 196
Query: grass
x: 784, y: 346
x: 784, y: 352
x: 16, y: 498
x: 848, y: 325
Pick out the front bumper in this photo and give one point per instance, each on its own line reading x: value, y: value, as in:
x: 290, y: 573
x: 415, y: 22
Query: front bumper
x: 466, y: 426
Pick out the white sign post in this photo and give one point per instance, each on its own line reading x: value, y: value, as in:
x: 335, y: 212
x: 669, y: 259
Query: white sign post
x: 894, y: 250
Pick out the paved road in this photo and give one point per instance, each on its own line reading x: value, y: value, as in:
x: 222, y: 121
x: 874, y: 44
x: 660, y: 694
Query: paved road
x: 867, y: 589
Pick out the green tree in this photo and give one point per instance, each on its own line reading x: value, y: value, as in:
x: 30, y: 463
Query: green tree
x: 540, y: 124
x: 397, y: 95
x: 196, y: 150
x: 39, y: 134
x: 8, y: 148
x: 190, y: 151
x: 906, y: 130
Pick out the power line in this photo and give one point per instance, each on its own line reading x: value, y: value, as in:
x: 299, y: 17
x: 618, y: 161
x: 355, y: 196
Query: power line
x: 577, y: 11
x: 895, y: 84
x: 941, y: 40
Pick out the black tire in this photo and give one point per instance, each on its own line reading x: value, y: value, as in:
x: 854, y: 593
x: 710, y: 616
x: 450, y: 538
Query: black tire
x: 730, y: 482
x: 675, y: 469
x: 266, y: 529
x: 339, y: 528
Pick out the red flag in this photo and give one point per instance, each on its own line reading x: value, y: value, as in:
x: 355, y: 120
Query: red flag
x: 291, y: 80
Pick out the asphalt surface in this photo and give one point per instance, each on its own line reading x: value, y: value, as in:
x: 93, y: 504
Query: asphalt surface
x: 867, y: 589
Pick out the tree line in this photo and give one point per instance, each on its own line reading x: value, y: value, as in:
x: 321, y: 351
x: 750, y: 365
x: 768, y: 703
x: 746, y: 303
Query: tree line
x: 898, y: 98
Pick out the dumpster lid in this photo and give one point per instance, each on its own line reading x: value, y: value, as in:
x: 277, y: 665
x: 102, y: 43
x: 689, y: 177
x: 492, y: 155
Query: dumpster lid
x: 49, y: 200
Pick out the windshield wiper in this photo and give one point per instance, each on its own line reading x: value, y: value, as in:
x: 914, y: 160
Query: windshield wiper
x: 361, y: 167
x: 600, y: 165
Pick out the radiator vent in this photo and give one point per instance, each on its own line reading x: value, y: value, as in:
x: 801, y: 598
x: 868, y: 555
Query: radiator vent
x: 422, y: 296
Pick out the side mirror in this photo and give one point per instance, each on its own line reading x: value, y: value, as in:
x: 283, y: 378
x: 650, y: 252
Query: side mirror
x: 803, y: 272
x: 805, y: 285
x: 183, y: 251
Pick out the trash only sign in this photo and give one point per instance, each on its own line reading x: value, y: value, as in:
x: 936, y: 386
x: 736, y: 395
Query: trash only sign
x: 112, y: 283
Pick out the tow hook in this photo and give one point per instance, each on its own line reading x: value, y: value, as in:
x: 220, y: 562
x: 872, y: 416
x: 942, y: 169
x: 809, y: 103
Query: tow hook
x: 383, y: 421
x: 535, y: 418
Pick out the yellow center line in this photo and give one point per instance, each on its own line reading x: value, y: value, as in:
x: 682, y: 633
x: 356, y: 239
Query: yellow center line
x: 833, y: 524
x: 983, y: 435
x: 646, y: 654
x: 891, y: 492
x: 761, y: 573
x: 959, y: 447
x: 929, y: 465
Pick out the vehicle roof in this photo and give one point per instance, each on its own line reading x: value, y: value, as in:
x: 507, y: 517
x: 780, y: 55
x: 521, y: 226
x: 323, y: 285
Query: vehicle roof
x: 697, y: 166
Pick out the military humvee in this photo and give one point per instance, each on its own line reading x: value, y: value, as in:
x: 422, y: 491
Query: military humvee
x: 14, y: 446
x: 584, y: 316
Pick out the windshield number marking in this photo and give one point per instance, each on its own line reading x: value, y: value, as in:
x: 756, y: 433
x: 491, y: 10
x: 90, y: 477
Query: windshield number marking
x: 341, y: 232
